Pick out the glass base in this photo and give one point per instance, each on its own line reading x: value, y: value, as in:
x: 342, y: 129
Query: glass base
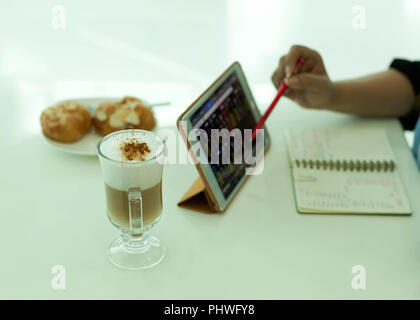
x: 136, y: 253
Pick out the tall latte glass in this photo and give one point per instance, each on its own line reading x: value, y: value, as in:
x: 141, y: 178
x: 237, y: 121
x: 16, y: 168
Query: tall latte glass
x: 133, y: 189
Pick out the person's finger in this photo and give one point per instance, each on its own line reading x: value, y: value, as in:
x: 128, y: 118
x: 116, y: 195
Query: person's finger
x: 299, y: 97
x: 278, y: 75
x: 275, y: 78
x: 296, y: 52
x: 282, y: 65
x: 290, y: 93
x: 301, y: 100
x: 309, y: 65
x: 306, y: 81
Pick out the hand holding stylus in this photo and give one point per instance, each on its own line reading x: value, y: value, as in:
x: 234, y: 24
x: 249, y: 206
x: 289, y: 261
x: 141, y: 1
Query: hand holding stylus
x: 282, y: 89
x: 311, y: 88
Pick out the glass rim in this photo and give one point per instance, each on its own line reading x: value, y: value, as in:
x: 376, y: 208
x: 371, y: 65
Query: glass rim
x: 130, y: 163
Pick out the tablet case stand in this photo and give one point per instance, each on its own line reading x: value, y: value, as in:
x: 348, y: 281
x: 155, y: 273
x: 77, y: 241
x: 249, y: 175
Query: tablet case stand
x: 197, y: 199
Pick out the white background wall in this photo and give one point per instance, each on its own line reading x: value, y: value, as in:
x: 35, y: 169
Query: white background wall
x: 159, y: 46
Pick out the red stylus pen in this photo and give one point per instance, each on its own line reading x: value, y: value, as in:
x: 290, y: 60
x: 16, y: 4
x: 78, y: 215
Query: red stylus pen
x: 280, y: 92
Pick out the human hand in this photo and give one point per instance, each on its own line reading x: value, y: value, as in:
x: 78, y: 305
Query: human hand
x: 311, y: 87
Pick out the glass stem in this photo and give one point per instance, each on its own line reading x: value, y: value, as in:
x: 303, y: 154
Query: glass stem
x: 135, y: 242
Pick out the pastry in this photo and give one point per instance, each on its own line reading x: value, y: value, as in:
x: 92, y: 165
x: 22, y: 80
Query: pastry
x: 66, y: 122
x: 129, y: 113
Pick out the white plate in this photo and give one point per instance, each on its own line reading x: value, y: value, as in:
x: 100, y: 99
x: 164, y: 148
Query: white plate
x: 87, y: 145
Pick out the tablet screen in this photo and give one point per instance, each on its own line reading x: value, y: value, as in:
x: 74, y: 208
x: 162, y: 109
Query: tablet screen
x: 226, y: 108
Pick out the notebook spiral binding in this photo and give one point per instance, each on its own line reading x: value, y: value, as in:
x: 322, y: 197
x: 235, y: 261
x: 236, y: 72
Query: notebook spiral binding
x: 345, y: 165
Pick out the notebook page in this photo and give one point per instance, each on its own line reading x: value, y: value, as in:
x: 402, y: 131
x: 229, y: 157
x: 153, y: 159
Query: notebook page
x: 326, y: 191
x: 369, y: 144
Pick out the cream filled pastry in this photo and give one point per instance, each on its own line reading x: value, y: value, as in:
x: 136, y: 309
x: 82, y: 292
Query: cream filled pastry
x: 129, y: 113
x: 66, y: 122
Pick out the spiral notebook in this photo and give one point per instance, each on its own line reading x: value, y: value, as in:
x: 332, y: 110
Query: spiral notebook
x: 345, y: 171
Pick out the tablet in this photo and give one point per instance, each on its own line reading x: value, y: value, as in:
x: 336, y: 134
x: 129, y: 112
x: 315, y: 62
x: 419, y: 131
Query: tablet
x: 227, y: 104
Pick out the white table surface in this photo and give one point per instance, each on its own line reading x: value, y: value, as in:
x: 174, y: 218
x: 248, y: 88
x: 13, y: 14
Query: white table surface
x: 53, y: 213
x: 52, y: 203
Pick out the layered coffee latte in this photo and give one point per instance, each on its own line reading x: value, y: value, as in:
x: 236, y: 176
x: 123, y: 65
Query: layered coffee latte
x: 118, y: 207
x: 132, y: 164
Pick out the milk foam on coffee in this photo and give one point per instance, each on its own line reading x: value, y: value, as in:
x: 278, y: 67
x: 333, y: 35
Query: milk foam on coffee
x: 122, y: 174
x: 111, y: 147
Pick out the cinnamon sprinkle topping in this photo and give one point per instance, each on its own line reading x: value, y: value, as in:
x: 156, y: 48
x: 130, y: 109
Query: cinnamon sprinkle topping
x: 133, y: 150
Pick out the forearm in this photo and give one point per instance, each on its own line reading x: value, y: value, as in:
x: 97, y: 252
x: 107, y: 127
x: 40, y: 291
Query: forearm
x: 385, y: 94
